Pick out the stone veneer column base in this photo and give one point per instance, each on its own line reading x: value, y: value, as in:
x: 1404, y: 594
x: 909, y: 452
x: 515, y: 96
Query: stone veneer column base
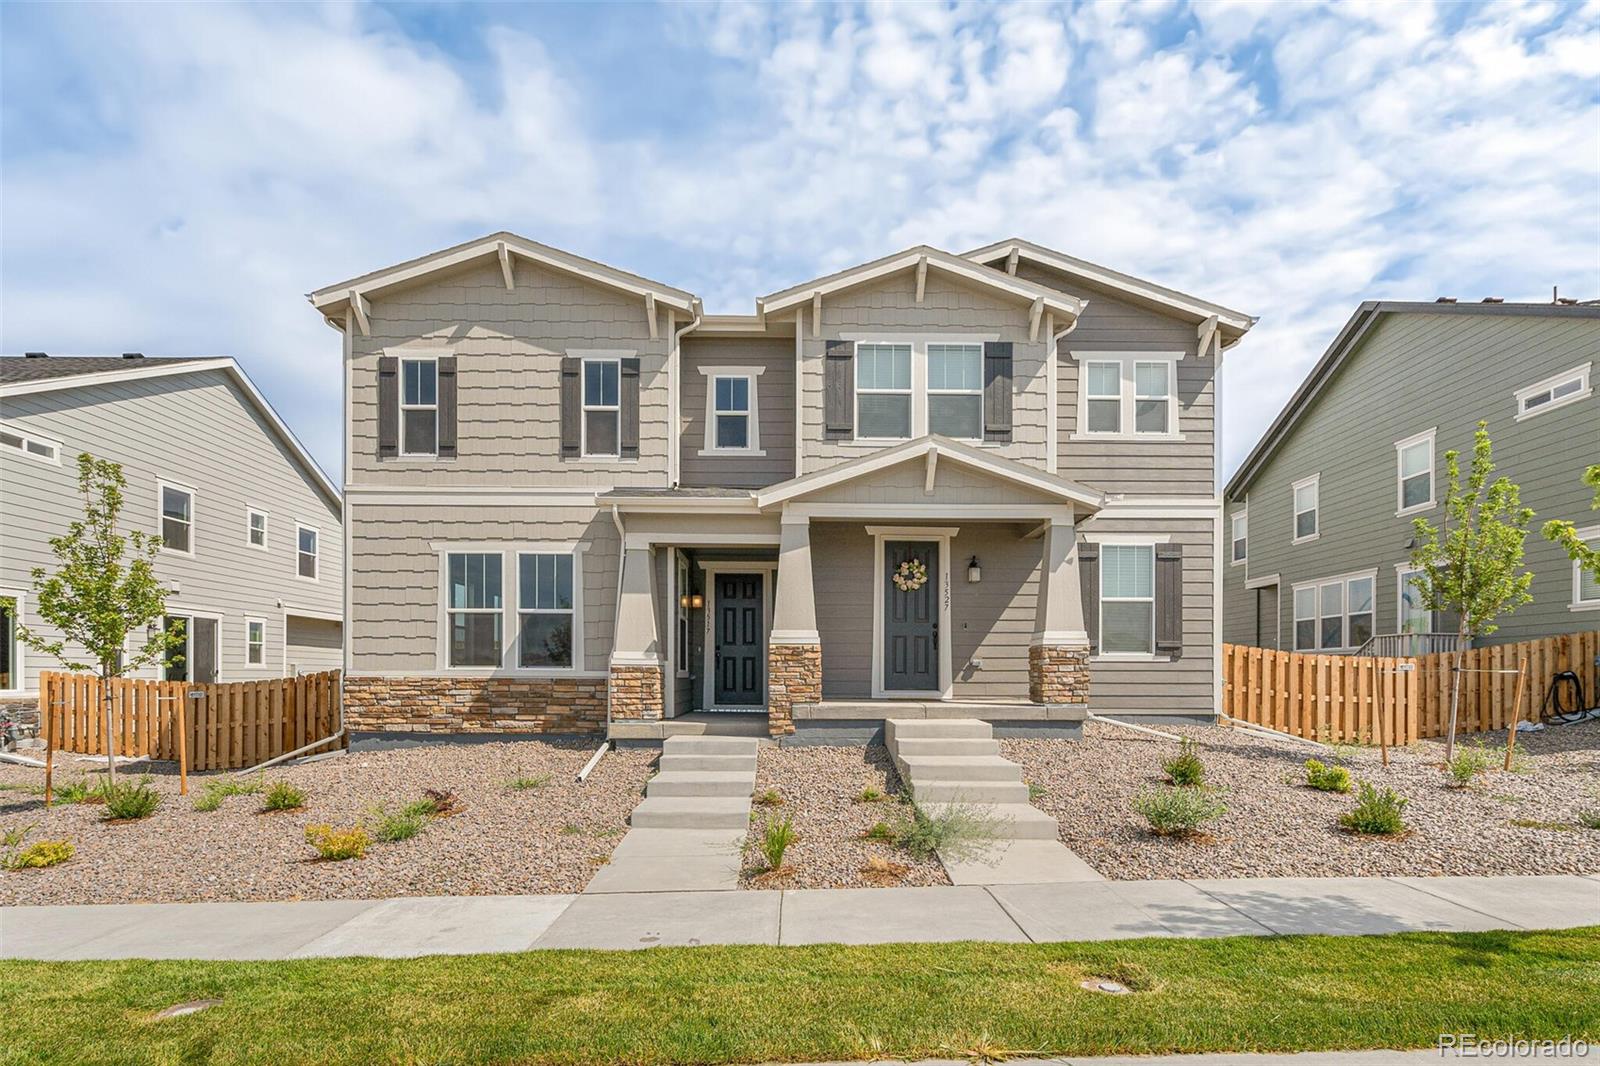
x: 636, y: 692
x: 794, y: 675
x: 1058, y: 673
x: 475, y: 704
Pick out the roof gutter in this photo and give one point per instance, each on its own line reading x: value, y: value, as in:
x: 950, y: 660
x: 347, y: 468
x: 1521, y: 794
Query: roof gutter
x: 675, y: 393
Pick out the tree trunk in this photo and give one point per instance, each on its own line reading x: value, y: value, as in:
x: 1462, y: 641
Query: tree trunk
x: 1455, y: 691
x: 111, y: 737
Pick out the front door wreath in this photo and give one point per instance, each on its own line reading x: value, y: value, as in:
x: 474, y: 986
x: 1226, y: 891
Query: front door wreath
x: 910, y: 575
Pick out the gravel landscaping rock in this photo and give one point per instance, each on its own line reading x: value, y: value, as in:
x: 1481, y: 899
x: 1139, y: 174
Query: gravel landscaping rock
x: 503, y: 841
x: 1275, y: 826
x: 820, y: 788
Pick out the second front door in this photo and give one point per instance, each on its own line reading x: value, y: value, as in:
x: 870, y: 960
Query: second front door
x: 739, y: 655
x: 910, y: 616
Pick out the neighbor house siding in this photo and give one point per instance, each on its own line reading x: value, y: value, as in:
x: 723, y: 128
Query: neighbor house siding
x: 775, y: 406
x: 312, y: 645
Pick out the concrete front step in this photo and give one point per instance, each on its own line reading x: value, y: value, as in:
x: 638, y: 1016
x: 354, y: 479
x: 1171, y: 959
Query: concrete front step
x: 700, y: 783
x: 946, y: 746
x: 693, y: 812
x: 1013, y: 821
x: 896, y: 729
x: 973, y: 768
x: 971, y: 793
x: 709, y: 745
x: 742, y: 764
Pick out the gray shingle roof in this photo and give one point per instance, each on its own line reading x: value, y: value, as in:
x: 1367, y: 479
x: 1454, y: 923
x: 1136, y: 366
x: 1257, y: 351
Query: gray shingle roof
x: 679, y: 494
x: 15, y: 368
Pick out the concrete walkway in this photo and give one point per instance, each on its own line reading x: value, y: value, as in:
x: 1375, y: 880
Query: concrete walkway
x: 1091, y: 910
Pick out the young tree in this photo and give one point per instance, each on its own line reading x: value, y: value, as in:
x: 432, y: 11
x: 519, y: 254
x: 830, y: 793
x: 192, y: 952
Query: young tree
x: 1565, y: 534
x: 1473, y: 566
x: 97, y: 597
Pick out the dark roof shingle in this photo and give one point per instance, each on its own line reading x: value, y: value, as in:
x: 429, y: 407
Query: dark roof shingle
x: 15, y: 368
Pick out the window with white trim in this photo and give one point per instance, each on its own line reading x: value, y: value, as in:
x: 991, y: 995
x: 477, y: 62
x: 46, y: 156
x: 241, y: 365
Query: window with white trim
x: 1307, y: 518
x: 419, y: 407
x: 1103, y: 391
x: 731, y: 413
x: 1127, y: 599
x: 1335, y: 614
x: 883, y: 391
x: 1240, y: 528
x: 602, y: 407
x: 1128, y: 395
x: 10, y: 650
x: 955, y: 390
x: 255, y: 642
x: 681, y: 650
x: 1414, y: 473
x: 255, y: 528
x: 1585, y: 585
x: 34, y: 447
x: 1554, y: 392
x: 306, y: 549
x: 1412, y: 614
x: 177, y: 519
x: 1152, y: 397
x: 475, y: 608
x: 544, y: 610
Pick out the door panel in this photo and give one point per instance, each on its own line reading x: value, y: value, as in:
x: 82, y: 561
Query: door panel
x: 910, y: 620
x: 203, y: 671
x: 739, y: 655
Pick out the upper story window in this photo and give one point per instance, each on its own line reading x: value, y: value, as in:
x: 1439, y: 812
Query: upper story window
x: 1307, y: 510
x: 255, y: 528
x: 1335, y: 614
x: 306, y: 552
x: 177, y: 519
x: 733, y: 418
x: 1152, y: 397
x: 883, y: 391
x: 1240, y: 528
x: 1585, y: 586
x: 1128, y: 395
x: 1554, y: 392
x: 34, y: 447
x: 1414, y: 473
x: 602, y: 407
x: 419, y: 407
x: 475, y: 602
x: 544, y: 609
x: 955, y: 390
x: 1102, y: 390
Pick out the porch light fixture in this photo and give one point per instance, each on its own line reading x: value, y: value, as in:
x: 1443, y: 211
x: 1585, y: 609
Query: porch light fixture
x: 974, y: 572
x: 693, y: 601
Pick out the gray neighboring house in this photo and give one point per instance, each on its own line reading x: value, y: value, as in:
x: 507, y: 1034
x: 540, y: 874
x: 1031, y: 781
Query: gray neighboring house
x: 254, y: 547
x: 1320, y: 514
x: 978, y: 484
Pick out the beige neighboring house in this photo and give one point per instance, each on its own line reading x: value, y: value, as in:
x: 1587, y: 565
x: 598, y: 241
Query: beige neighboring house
x: 979, y: 484
x: 254, y: 539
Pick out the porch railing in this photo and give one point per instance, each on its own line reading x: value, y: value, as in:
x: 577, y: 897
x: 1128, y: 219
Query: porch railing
x: 1409, y: 645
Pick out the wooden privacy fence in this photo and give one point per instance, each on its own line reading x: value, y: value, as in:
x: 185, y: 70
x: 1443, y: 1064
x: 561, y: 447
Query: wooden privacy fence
x: 1344, y: 697
x: 228, y: 726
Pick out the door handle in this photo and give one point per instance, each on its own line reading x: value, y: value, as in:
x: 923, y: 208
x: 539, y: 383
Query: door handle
x: 936, y: 636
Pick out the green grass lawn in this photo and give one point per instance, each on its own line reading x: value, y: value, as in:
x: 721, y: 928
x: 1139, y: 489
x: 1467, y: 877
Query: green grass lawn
x: 757, y: 1004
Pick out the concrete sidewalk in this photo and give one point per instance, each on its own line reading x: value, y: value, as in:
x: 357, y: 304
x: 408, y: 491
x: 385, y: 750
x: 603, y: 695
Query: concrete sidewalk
x: 1094, y: 910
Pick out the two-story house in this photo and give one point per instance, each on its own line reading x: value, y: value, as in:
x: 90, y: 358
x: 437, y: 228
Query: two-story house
x: 981, y: 483
x: 1321, y: 515
x: 251, y: 528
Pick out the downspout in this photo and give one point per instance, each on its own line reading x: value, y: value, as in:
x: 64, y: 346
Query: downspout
x: 616, y: 604
x: 674, y: 430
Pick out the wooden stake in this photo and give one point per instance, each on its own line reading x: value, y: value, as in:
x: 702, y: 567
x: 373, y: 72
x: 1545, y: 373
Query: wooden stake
x: 1378, y: 713
x: 183, y: 740
x: 1516, y: 709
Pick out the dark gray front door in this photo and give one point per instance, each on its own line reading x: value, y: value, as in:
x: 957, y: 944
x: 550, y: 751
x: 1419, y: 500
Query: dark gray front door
x: 910, y: 619
x: 739, y: 654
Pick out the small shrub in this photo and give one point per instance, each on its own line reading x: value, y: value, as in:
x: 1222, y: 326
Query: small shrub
x: 36, y: 856
x: 1178, y: 812
x: 880, y: 831
x: 1589, y: 819
x: 131, y: 801
x: 80, y: 791
x: 871, y: 795
x: 283, y: 796
x: 217, y: 791
x: 1535, y: 823
x: 769, y: 798
x: 957, y: 831
x: 882, y: 873
x: 1036, y: 792
x: 775, y: 840
x: 400, y: 826
x: 1327, y: 778
x: 1466, y: 766
x: 1376, y: 813
x: 570, y: 830
x: 523, y: 783
x: 1185, y: 769
x: 426, y: 807
x: 336, y: 844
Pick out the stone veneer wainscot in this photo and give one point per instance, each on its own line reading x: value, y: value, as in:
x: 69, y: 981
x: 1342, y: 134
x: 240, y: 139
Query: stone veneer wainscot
x: 794, y: 675
x: 475, y: 704
x: 635, y: 692
x: 1058, y: 674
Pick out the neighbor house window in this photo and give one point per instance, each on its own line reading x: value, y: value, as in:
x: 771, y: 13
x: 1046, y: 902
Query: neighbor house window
x: 955, y: 390
x: 602, y: 407
x: 1585, y: 586
x: 1335, y: 614
x: 177, y: 519
x: 733, y: 420
x: 17, y: 440
x: 306, y: 552
x: 1240, y: 529
x: 1103, y: 392
x: 1127, y: 599
x: 10, y: 660
x: 176, y: 665
x: 1306, y: 516
x: 419, y: 407
x: 544, y: 610
x: 1414, y: 473
x: 883, y: 391
x: 255, y: 642
x: 1569, y: 386
x: 255, y: 533
x: 1152, y: 397
x: 475, y: 608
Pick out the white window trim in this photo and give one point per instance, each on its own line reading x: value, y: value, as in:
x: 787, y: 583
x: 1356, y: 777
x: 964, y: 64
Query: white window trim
x: 919, y: 383
x: 1125, y: 422
x: 316, y: 557
x: 514, y: 634
x: 248, y: 622
x: 682, y: 619
x: 266, y: 528
x: 30, y: 437
x: 929, y: 392
x: 189, y: 614
x: 1401, y: 510
x: 1315, y: 481
x: 403, y: 407
x: 1344, y: 607
x: 1583, y: 372
x: 584, y: 407
x: 752, y: 375
x: 19, y: 662
x: 1402, y: 571
x: 1234, y: 538
x: 1592, y: 535
x: 918, y: 417
x: 1129, y: 541
x: 509, y: 608
x: 162, y: 485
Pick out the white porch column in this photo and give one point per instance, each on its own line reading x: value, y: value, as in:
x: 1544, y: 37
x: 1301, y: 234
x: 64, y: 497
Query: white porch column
x: 794, y: 648
x: 1058, y: 656
x: 635, y: 674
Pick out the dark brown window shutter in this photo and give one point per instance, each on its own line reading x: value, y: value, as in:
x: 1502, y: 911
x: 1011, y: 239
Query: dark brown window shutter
x: 1089, y: 582
x: 1169, y: 600
x: 630, y: 409
x: 839, y: 389
x: 571, y: 407
x: 388, y: 406
x: 997, y: 390
x: 447, y: 407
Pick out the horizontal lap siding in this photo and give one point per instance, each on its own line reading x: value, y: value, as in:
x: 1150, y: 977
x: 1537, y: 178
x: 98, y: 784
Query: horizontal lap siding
x: 841, y: 567
x: 775, y: 405
x: 394, y: 595
x: 509, y: 347
x: 993, y: 620
x: 313, y: 645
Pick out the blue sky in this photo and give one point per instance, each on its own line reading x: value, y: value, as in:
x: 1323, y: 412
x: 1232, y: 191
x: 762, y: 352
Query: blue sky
x: 174, y: 178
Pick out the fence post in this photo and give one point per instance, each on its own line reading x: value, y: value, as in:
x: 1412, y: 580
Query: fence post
x: 183, y: 741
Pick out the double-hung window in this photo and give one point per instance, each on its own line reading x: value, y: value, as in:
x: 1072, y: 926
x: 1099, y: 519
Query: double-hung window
x: 544, y: 609
x: 1240, y: 523
x: 419, y: 407
x: 1335, y: 614
x: 1127, y: 599
x: 731, y: 398
x: 1306, y: 509
x: 1414, y: 473
x: 883, y: 391
x: 1102, y: 390
x: 1152, y: 397
x: 475, y: 608
x: 1128, y: 395
x: 255, y: 642
x: 306, y: 552
x: 955, y: 390
x: 255, y: 528
x: 1585, y: 585
x: 1569, y: 386
x: 177, y: 519
x: 602, y: 407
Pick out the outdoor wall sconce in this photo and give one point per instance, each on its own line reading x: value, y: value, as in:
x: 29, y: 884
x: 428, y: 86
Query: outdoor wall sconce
x: 974, y: 572
x: 693, y: 601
